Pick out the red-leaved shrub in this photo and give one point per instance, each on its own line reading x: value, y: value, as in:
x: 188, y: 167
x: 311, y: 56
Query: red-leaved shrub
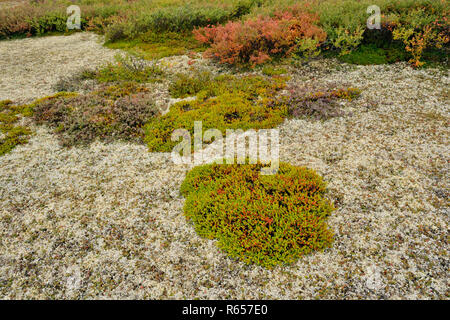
x: 258, y: 40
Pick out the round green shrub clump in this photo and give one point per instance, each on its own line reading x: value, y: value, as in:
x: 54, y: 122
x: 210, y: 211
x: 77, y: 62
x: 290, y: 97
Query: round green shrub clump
x: 262, y: 219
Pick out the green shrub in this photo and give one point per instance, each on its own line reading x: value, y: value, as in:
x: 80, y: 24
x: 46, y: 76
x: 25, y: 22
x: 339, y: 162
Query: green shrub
x: 259, y: 40
x: 116, y: 31
x: 50, y: 22
x: 178, y: 19
x: 228, y: 102
x: 263, y: 219
x: 110, y: 113
x: 344, y: 22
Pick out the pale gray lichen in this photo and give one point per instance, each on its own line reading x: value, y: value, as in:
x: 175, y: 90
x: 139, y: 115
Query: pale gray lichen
x: 106, y: 221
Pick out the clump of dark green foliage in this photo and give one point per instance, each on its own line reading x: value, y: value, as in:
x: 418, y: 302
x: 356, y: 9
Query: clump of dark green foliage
x: 112, y: 112
x: 263, y: 219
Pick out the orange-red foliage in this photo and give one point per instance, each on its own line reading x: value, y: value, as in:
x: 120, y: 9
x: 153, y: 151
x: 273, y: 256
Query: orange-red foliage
x: 258, y: 40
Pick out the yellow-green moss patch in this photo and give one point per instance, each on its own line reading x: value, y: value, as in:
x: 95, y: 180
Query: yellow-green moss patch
x: 227, y: 102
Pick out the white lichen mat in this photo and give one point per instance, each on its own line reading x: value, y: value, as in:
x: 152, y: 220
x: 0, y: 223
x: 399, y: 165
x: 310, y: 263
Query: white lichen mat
x: 107, y: 221
x: 30, y: 67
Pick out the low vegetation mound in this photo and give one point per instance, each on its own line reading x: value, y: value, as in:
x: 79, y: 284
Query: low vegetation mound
x: 227, y: 102
x: 263, y: 219
x: 109, y: 113
x: 316, y: 102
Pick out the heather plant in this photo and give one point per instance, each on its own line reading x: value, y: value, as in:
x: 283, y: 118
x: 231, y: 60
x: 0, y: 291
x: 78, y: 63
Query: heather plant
x: 259, y: 219
x: 111, y: 112
x: 316, y: 102
x: 228, y: 102
x: 13, y: 134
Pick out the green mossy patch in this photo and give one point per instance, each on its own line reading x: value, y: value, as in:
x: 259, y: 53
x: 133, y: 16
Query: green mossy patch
x: 269, y: 70
x: 227, y: 102
x: 260, y: 219
x: 12, y: 135
x: 372, y: 54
